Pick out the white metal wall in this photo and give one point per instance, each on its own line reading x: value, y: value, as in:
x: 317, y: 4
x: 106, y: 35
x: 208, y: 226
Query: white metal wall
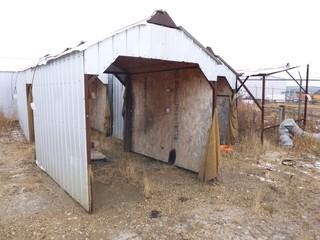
x: 60, y: 124
x: 23, y: 78
x: 150, y: 41
x: 7, y: 89
x: 117, y: 124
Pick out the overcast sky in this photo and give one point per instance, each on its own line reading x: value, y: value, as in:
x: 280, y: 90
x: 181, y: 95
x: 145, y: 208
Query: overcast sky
x: 248, y: 34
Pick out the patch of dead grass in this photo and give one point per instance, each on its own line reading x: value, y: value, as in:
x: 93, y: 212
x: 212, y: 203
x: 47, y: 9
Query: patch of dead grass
x: 306, y: 145
x: 6, y: 125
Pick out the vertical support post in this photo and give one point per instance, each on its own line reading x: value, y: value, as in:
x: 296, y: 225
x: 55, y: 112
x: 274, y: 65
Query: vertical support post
x: 262, y: 106
x: 235, y: 92
x: 306, y: 99
x: 128, y: 112
x: 110, y: 97
x: 299, y: 103
x: 282, y: 113
x: 88, y: 80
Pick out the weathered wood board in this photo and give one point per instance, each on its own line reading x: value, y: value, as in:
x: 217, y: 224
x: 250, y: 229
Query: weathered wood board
x: 224, y: 92
x: 172, y: 113
x: 100, y: 109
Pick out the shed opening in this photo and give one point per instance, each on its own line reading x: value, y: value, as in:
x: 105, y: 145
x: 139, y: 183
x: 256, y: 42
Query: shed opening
x: 223, y: 97
x: 30, y: 112
x: 167, y: 105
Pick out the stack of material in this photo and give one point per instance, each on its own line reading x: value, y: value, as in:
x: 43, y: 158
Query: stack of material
x: 289, y: 128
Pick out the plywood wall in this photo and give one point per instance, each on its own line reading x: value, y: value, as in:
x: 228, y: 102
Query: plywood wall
x: 224, y: 92
x: 100, y: 108
x: 171, y: 112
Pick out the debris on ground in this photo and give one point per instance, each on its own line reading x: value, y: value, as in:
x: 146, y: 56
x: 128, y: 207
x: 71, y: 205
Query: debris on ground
x: 257, y: 198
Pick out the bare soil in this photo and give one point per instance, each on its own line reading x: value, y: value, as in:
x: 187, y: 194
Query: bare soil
x: 273, y: 194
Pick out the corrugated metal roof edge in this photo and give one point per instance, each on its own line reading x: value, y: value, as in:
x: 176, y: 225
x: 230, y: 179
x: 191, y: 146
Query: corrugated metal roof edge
x: 200, y: 45
x: 219, y: 60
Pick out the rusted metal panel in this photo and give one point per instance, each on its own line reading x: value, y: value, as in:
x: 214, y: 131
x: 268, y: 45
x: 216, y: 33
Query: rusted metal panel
x: 162, y: 18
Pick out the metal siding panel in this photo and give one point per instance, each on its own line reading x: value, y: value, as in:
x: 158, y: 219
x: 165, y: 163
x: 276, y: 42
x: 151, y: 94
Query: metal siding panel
x: 22, y: 101
x: 118, y: 90
x: 8, y: 104
x: 150, y: 41
x: 132, y: 39
x: 60, y: 124
x: 91, y: 59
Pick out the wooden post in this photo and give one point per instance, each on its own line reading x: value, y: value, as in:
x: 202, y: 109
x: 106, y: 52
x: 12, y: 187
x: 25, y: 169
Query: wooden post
x: 128, y: 113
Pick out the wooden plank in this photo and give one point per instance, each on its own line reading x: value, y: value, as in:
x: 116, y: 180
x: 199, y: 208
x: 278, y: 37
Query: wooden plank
x: 128, y: 113
x: 172, y: 112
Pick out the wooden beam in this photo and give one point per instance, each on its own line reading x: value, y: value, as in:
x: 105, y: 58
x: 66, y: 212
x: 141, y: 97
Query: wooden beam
x: 127, y: 115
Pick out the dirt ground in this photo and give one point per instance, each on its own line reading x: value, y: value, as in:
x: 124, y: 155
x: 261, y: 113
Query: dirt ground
x: 271, y: 195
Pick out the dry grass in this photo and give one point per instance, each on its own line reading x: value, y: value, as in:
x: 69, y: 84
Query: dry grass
x: 249, y: 120
x: 306, y: 145
x: 249, y: 129
x: 6, y: 125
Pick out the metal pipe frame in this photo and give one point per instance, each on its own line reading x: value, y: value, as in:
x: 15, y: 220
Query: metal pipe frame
x: 262, y: 106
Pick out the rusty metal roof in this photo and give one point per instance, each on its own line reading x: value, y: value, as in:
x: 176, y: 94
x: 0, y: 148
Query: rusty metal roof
x: 162, y: 18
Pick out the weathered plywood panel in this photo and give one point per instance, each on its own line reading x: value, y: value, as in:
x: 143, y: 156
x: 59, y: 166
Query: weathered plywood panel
x: 194, y: 118
x: 153, y: 115
x: 224, y: 92
x: 223, y: 87
x: 100, y: 108
x: 172, y: 112
x: 223, y: 118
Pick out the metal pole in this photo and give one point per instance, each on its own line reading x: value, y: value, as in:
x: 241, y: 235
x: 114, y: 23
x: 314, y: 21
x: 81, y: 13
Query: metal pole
x: 262, y: 105
x: 299, y: 106
x: 306, y: 99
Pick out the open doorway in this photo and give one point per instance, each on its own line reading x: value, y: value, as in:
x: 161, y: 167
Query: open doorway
x: 223, y: 97
x: 168, y: 106
x: 30, y: 112
x: 167, y: 112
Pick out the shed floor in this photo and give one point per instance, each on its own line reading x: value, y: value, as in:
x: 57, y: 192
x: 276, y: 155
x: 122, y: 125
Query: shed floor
x: 136, y: 198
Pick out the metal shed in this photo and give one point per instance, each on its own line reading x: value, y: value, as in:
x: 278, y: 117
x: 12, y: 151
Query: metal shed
x: 170, y: 83
x: 7, y: 94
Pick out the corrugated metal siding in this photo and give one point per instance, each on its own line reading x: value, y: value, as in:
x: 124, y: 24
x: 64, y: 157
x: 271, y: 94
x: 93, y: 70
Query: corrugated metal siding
x: 149, y: 41
x: 117, y: 125
x: 8, y: 104
x: 22, y: 79
x: 60, y: 124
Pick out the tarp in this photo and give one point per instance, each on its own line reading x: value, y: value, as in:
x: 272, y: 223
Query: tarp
x: 233, y: 119
x: 209, y: 168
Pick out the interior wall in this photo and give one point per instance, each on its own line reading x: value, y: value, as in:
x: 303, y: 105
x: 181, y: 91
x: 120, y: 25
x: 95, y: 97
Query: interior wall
x: 30, y: 112
x: 100, y: 108
x: 23, y: 78
x: 8, y: 105
x: 172, y: 113
x: 224, y: 92
x: 117, y: 107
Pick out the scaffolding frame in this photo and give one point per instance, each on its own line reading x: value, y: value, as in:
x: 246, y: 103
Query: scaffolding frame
x: 262, y: 105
